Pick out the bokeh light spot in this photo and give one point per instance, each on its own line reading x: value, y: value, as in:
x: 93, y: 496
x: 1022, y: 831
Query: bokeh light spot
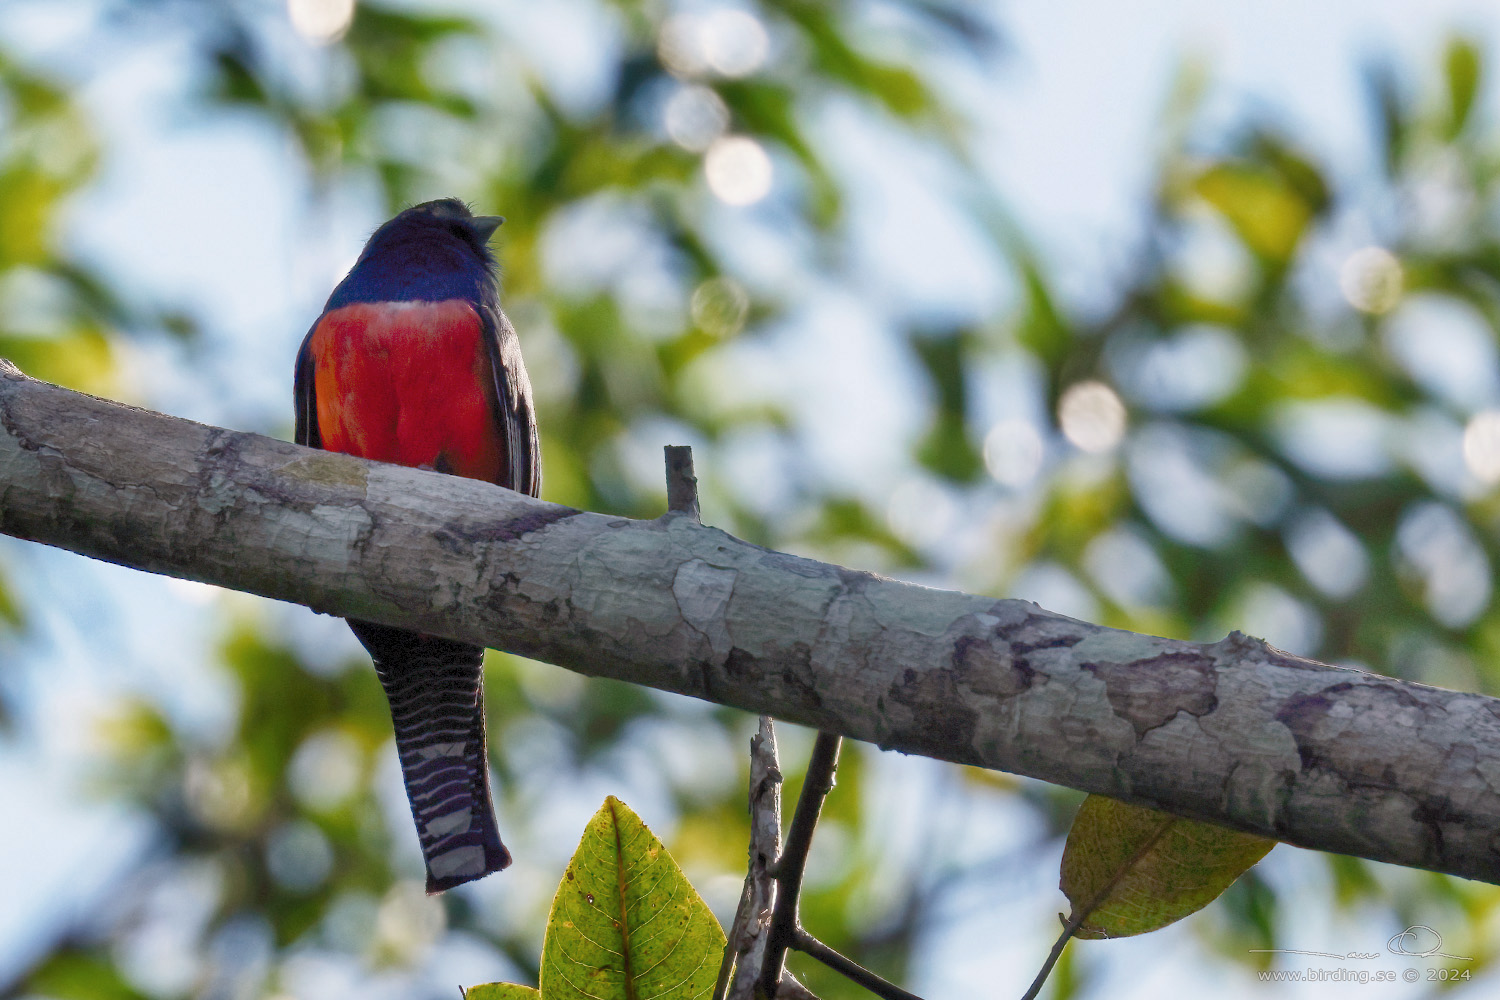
x: 1371, y: 280
x: 1329, y: 555
x: 321, y: 22
x: 1194, y: 368
x: 1013, y: 452
x: 695, y: 116
x: 720, y: 306
x: 735, y: 42
x: 1436, y: 548
x: 1264, y: 609
x: 1482, y: 446
x: 681, y: 45
x: 218, y: 793
x: 738, y: 170
x: 326, y: 769
x: 1127, y: 569
x: 408, y: 922
x: 920, y: 512
x: 298, y: 856
x: 730, y: 42
x: 1091, y: 416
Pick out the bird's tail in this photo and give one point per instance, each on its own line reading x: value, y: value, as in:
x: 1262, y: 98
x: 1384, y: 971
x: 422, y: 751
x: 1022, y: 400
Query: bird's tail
x: 435, y: 687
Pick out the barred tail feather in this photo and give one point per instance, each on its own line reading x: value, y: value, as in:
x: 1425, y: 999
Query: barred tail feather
x: 435, y: 688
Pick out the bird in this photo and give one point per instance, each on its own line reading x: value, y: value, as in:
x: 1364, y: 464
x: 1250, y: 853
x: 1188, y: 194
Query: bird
x: 412, y: 361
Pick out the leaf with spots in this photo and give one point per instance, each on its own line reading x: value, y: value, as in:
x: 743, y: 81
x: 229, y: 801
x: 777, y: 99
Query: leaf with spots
x: 1129, y: 870
x: 626, y: 924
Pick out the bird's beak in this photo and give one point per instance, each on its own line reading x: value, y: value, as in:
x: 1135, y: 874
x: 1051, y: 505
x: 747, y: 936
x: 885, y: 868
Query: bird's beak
x: 484, y: 226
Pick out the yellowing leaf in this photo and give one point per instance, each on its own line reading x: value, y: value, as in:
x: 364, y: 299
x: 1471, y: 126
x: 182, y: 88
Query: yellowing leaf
x: 626, y: 924
x: 501, y: 991
x: 1129, y: 870
x: 1266, y: 212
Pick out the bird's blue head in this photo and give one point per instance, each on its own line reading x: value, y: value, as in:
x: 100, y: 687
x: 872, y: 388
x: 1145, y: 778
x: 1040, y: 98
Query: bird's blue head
x: 429, y: 253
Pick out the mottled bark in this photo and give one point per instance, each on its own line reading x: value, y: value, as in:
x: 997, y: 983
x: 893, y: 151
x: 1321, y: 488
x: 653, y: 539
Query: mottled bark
x: 749, y: 935
x: 1235, y: 732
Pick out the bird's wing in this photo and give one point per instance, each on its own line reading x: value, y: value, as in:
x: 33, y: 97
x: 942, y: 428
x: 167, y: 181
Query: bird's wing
x: 304, y: 391
x: 513, y: 393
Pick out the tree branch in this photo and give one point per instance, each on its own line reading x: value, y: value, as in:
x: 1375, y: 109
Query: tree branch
x: 1234, y: 732
x: 1070, y: 928
x: 792, y: 861
x: 749, y: 937
x: 884, y: 988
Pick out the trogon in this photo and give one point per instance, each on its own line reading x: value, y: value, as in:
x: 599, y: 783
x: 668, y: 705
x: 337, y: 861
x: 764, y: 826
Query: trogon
x: 412, y: 361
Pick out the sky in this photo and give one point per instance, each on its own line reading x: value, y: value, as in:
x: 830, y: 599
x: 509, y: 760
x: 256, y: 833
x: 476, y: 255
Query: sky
x: 212, y: 214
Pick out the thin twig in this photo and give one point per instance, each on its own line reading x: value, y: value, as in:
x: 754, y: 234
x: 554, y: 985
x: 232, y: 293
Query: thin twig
x: 728, y: 963
x: 682, y: 485
x: 805, y: 942
x: 1082, y: 913
x: 1069, y: 929
x: 745, y: 951
x: 793, y: 861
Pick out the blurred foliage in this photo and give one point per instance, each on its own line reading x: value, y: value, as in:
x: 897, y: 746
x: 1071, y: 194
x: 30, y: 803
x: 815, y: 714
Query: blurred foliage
x: 1261, y: 425
x: 46, y: 152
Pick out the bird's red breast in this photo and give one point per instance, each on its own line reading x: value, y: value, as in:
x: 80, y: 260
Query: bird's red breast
x: 410, y: 383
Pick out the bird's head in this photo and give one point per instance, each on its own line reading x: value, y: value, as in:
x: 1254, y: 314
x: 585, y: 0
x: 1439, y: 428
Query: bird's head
x: 446, y: 217
x: 434, y: 251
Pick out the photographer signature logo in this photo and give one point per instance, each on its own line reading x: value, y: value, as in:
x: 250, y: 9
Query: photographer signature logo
x: 1417, y: 941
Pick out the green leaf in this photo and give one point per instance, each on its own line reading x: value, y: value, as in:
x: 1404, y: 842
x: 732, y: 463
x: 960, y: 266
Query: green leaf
x: 901, y: 91
x: 1042, y: 329
x: 28, y: 205
x: 1391, y: 115
x: 1129, y: 870
x: 946, y: 448
x: 501, y: 991
x: 73, y: 975
x: 769, y: 109
x: 80, y: 358
x: 1461, y: 64
x: 1267, y: 213
x: 626, y: 924
x: 10, y: 611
